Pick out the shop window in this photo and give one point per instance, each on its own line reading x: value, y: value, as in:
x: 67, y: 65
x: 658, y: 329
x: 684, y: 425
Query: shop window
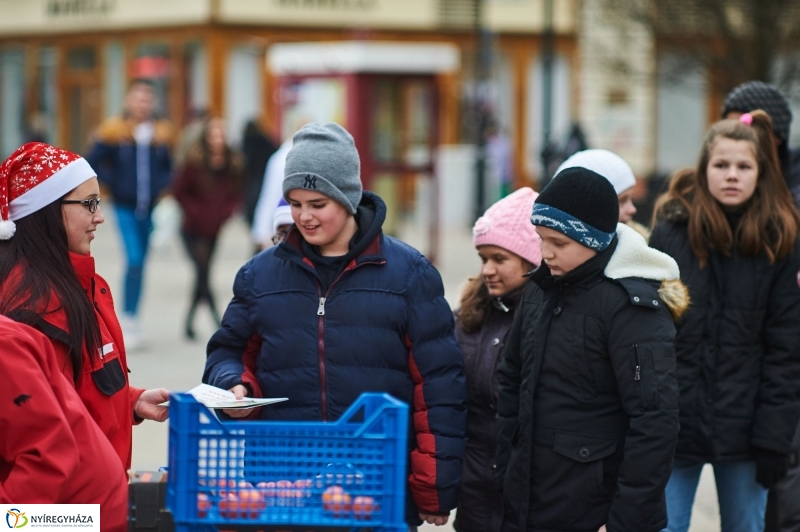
x: 242, y: 89
x: 42, y: 122
x: 560, y: 114
x: 12, y: 100
x: 682, y: 112
x: 196, y: 67
x: 312, y: 100
x: 114, y: 79
x: 402, y: 122
x: 82, y: 58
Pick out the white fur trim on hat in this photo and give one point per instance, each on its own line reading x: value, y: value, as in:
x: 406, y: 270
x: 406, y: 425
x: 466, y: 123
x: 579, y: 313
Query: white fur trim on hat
x: 607, y: 164
x: 51, y: 189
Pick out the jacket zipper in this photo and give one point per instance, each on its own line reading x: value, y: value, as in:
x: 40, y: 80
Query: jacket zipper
x: 323, y: 387
x: 638, y: 372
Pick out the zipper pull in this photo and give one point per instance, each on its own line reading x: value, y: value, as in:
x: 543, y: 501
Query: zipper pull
x: 321, y: 309
x: 638, y: 372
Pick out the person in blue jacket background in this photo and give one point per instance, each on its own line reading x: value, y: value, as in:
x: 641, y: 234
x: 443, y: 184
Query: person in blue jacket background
x: 338, y: 309
x: 131, y: 155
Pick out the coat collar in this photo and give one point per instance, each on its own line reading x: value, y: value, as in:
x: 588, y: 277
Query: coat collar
x: 586, y: 273
x: 634, y: 258
x: 84, y: 269
x: 371, y: 245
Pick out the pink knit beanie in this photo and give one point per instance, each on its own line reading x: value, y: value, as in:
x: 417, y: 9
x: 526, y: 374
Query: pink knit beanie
x: 507, y: 224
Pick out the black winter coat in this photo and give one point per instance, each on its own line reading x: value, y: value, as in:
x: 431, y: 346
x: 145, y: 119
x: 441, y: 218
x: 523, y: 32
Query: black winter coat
x: 480, y: 505
x: 588, y: 402
x: 738, y: 350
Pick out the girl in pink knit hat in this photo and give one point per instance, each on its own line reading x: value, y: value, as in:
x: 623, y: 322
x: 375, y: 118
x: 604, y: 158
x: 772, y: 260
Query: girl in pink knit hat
x: 508, y: 247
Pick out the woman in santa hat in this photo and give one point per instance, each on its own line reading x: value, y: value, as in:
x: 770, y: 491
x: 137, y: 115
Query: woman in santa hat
x: 49, y: 211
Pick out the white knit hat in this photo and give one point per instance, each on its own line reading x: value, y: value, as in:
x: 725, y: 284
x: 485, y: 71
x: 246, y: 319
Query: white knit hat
x: 607, y: 164
x: 283, y: 216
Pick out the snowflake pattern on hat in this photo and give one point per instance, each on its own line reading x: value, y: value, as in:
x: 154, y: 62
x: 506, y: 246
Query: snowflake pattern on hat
x: 27, y: 168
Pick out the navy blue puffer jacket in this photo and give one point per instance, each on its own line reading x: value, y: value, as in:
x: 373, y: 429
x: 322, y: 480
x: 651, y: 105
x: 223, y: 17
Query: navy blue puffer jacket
x: 382, y: 326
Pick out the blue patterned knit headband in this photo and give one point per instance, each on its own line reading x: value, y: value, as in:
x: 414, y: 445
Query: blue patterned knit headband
x: 581, y: 232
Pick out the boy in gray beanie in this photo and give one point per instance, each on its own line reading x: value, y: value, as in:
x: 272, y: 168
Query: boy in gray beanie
x: 324, y: 158
x: 338, y: 309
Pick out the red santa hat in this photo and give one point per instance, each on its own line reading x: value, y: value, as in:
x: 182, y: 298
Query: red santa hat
x: 35, y: 176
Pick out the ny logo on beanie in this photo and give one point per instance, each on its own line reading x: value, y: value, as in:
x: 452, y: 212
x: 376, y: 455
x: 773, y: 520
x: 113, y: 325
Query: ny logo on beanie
x: 311, y: 182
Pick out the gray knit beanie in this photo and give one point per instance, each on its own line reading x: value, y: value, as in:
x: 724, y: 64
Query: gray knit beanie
x: 324, y: 159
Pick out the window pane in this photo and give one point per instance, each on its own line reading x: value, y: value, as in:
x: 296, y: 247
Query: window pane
x: 82, y: 58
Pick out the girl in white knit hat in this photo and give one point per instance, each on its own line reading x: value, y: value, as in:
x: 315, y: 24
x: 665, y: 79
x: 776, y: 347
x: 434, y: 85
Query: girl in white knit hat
x: 615, y: 169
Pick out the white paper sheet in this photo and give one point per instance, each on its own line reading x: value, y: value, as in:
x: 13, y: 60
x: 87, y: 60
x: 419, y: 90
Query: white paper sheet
x: 216, y: 398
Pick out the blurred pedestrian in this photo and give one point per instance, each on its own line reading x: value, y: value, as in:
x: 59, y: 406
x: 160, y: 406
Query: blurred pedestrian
x: 50, y: 209
x: 339, y: 309
x: 271, y: 193
x: 191, y: 134
x: 131, y: 155
x: 753, y: 95
x: 209, y: 188
x: 257, y: 148
x: 587, y: 408
x: 731, y: 226
x: 282, y: 222
x: 52, y: 452
x: 619, y: 174
x: 508, y: 247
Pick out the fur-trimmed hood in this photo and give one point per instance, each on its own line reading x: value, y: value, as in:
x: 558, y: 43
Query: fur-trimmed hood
x: 634, y: 258
x: 117, y: 129
x: 674, y: 210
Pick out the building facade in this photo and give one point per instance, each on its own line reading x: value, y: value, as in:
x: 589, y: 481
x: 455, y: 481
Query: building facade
x: 65, y: 64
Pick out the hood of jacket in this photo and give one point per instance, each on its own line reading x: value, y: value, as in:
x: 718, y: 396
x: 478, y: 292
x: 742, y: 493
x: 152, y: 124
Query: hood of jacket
x: 364, y: 246
x: 117, y: 129
x: 634, y: 258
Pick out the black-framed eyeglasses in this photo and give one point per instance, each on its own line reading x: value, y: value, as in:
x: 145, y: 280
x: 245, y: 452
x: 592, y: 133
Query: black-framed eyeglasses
x: 90, y: 204
x: 278, y: 238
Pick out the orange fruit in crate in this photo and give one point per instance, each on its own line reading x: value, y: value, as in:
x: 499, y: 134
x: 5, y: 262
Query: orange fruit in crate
x: 267, y: 490
x: 203, y: 505
x: 336, y: 501
x: 302, y: 490
x: 364, y: 507
x: 285, y: 492
x: 224, y: 484
x: 229, y: 506
x: 251, y: 503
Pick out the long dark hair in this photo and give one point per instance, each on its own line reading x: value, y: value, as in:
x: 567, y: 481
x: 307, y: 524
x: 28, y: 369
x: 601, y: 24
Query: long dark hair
x: 770, y: 222
x: 38, y: 254
x: 205, y: 149
x: 200, y: 154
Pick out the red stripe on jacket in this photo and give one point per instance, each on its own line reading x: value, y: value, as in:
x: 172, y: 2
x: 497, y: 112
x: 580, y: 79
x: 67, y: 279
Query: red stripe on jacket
x: 422, y: 480
x: 249, y: 377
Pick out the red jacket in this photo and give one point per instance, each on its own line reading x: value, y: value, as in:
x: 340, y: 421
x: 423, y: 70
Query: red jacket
x: 103, y: 384
x: 50, y: 450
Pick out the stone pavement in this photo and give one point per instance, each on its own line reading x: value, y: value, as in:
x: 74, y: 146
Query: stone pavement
x: 173, y: 362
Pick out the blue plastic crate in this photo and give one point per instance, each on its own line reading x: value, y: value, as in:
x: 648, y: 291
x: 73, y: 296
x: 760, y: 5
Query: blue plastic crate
x: 350, y: 474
